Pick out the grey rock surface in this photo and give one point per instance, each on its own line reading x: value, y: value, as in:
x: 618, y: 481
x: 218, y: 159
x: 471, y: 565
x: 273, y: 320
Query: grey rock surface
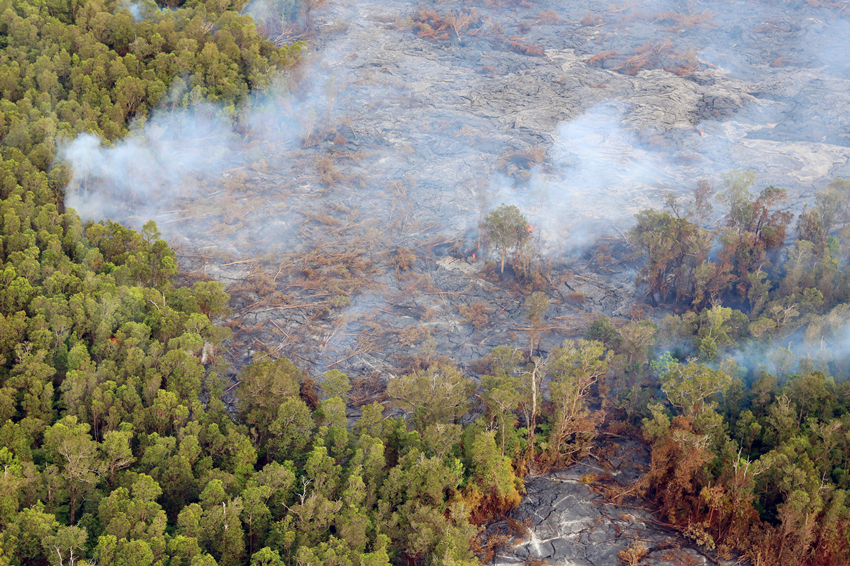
x: 569, y: 523
x: 742, y: 112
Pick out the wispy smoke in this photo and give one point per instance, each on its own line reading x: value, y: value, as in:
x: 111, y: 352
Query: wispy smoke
x: 617, y: 154
x: 140, y: 174
x: 596, y: 177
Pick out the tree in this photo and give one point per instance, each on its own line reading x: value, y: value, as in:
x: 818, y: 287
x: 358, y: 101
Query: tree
x: 116, y: 450
x: 833, y: 204
x: 672, y: 249
x: 370, y: 459
x: 315, y: 509
x: 502, y: 396
x: 171, y: 467
x: 756, y: 229
x: 11, y: 481
x: 255, y: 513
x: 266, y: 384
x: 714, y: 335
x: 31, y: 376
x: 134, y: 515
x: 66, y: 546
x: 530, y: 386
x: 74, y: 451
x: 536, y: 306
x: 412, y: 497
x: 603, y: 330
x: 736, y: 199
x: 336, y: 384
x: 331, y: 417
x: 279, y: 479
x: 492, y: 474
x: 680, y: 451
x: 266, y: 557
x: 575, y: 368
x: 290, y: 430
x: 689, y: 386
x: 810, y: 228
x: 507, y: 228
x: 32, y: 527
x: 220, y: 524
x: 437, y: 395
x: 211, y: 298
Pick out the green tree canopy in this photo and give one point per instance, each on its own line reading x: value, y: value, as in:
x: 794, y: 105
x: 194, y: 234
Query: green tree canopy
x: 507, y: 229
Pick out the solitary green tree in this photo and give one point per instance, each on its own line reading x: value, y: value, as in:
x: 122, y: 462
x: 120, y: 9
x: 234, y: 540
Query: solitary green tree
x: 507, y: 228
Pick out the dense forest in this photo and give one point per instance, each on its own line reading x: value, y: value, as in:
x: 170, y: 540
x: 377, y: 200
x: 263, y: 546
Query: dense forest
x: 116, y: 445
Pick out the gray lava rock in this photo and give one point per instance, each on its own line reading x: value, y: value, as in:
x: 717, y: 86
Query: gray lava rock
x: 571, y: 524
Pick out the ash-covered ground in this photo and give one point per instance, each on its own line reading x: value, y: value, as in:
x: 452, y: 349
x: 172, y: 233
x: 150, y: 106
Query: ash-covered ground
x: 343, y: 213
x: 405, y: 130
